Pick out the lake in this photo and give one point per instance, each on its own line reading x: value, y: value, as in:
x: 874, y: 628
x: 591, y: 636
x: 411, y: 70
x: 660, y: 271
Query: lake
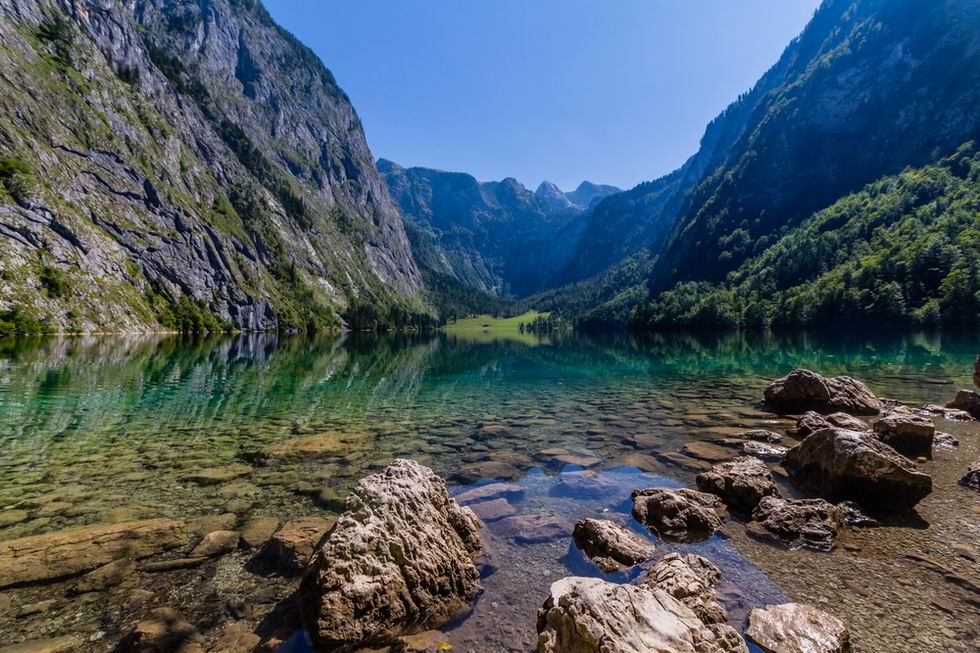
x: 218, y: 431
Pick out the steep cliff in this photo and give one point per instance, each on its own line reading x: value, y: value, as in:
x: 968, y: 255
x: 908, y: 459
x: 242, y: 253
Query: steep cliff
x: 184, y: 164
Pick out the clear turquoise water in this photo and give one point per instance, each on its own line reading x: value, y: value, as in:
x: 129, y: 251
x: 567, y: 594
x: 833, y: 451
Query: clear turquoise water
x: 97, y: 429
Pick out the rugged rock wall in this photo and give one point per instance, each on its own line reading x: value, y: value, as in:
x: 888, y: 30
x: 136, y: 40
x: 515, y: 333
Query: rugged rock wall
x: 165, y: 161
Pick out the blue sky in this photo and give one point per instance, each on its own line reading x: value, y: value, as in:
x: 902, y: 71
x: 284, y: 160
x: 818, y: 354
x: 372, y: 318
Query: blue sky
x: 613, y: 91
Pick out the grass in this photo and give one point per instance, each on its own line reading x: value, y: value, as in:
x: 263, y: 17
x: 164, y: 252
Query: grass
x: 490, y: 323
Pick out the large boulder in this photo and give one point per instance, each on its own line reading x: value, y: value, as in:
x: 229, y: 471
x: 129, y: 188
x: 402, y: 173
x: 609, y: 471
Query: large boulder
x: 691, y: 580
x: 590, y: 615
x: 683, y: 515
x: 972, y: 477
x: 400, y: 560
x: 840, y: 464
x: 968, y: 401
x: 803, y: 390
x: 797, y: 628
x: 741, y: 483
x: 907, y: 433
x: 68, y: 553
x: 812, y: 523
x: 610, y: 546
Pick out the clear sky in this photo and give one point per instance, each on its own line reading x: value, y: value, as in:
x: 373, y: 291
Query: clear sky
x: 612, y: 91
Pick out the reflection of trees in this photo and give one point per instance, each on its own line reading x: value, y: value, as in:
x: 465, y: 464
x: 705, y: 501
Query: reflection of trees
x: 59, y: 388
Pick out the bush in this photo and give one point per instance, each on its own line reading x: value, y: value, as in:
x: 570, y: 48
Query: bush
x: 15, y: 321
x: 54, y: 282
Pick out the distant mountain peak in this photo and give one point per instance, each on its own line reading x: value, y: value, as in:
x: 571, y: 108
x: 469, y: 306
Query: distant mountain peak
x: 553, y: 196
x: 589, y: 193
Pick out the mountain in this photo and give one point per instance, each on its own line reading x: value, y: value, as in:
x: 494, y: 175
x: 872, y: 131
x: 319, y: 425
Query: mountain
x: 496, y: 237
x: 868, y: 88
x: 553, y: 196
x: 186, y: 165
x: 902, y: 250
x: 587, y: 194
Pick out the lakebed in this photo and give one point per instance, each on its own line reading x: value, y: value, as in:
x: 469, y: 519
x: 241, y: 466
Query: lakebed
x: 219, y: 433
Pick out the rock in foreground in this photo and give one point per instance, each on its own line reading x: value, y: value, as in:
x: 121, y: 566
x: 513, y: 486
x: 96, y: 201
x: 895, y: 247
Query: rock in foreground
x: 741, y: 483
x: 72, y: 552
x: 907, y: 433
x: 797, y: 628
x: 802, y: 390
x: 966, y: 400
x: 812, y: 523
x: 812, y: 421
x: 684, y: 515
x: 840, y: 464
x: 398, y: 561
x: 289, y: 550
x: 691, y: 580
x: 610, y: 546
x: 590, y: 615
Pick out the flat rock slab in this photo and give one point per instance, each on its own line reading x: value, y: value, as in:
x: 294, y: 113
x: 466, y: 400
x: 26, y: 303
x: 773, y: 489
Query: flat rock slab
x: 257, y: 531
x: 533, y: 529
x: 72, y: 552
x: 489, y: 511
x: 53, y: 645
x: 490, y: 491
x: 327, y: 443
x: 797, y: 628
x: 684, y: 462
x: 583, y: 484
x: 215, y: 543
x: 215, y: 475
x: 707, y: 451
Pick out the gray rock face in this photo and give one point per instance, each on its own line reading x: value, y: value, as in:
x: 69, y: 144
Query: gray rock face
x: 803, y: 390
x: 228, y: 169
x: 684, y: 515
x: 909, y: 434
x: 610, y: 546
x: 589, y: 615
x: 741, y: 483
x: 691, y: 580
x: 841, y: 464
x: 968, y: 401
x: 811, y: 523
x: 398, y: 561
x: 797, y: 628
x: 972, y: 477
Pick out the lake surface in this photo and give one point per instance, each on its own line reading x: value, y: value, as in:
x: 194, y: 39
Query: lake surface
x: 107, y: 429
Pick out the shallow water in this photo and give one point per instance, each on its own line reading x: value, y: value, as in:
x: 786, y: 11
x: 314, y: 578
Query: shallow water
x: 110, y: 429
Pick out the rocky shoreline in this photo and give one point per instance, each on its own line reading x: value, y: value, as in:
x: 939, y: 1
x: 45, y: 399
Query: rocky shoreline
x: 405, y: 558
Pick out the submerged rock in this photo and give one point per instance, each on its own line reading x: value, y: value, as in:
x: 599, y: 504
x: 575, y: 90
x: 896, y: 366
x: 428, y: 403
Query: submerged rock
x: 691, y: 580
x: 759, y: 435
x: 684, y: 515
x: 71, y: 552
x: 797, y: 628
x: 400, y: 560
x: 493, y: 510
x: 289, y: 550
x: 489, y: 492
x: 163, y: 631
x: 533, y: 529
x: 907, y: 433
x: 812, y: 523
x: 590, y: 615
x: 972, y: 477
x: 803, y: 390
x: 53, y: 645
x: 106, y: 576
x: 215, y: 543
x: 741, y: 483
x: 609, y: 545
x: 841, y: 464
